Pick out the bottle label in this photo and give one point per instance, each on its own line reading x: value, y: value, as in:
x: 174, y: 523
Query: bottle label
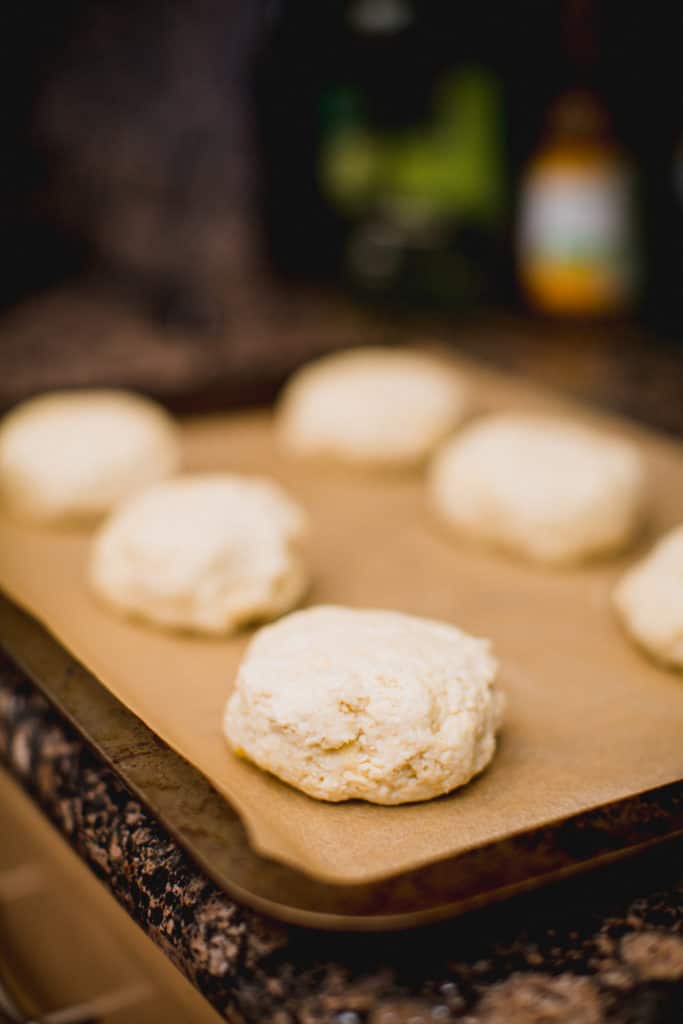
x: 575, y: 235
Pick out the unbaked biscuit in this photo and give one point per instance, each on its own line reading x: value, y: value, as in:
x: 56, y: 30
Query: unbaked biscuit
x: 375, y: 705
x: 72, y: 455
x: 371, y: 406
x: 649, y: 600
x: 206, y: 553
x: 545, y: 488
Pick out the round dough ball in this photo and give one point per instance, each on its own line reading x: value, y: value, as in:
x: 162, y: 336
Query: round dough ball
x: 548, y: 489
x: 371, y: 406
x: 373, y: 705
x: 206, y: 553
x: 72, y: 455
x: 649, y: 600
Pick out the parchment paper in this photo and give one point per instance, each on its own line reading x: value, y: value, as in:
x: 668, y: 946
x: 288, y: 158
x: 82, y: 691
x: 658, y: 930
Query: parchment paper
x: 590, y: 719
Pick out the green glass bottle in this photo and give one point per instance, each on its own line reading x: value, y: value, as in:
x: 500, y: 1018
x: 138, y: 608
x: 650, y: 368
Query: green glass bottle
x: 385, y: 162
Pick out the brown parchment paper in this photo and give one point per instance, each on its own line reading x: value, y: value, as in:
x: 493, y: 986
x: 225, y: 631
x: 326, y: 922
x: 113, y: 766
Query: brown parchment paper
x: 590, y: 719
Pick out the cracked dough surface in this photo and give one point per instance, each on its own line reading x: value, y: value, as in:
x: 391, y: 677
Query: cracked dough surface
x: 371, y: 406
x: 545, y: 488
x: 376, y: 705
x: 649, y: 600
x: 206, y: 553
x: 72, y: 455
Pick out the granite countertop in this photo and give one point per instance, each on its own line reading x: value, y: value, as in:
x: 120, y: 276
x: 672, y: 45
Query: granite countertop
x: 606, y: 947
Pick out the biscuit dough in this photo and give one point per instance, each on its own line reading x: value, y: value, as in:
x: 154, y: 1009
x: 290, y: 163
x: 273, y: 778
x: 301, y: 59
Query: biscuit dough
x: 649, y: 600
x: 371, y: 406
x: 375, y: 705
x: 207, y: 553
x: 72, y: 455
x: 547, y: 489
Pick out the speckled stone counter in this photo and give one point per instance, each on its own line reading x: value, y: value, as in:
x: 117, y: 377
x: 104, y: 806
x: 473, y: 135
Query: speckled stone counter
x: 607, y: 947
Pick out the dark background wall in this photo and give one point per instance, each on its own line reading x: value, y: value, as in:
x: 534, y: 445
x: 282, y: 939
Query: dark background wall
x: 127, y: 144
x: 130, y: 150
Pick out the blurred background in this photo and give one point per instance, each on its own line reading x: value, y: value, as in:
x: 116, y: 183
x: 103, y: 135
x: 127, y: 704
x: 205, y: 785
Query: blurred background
x: 203, y: 190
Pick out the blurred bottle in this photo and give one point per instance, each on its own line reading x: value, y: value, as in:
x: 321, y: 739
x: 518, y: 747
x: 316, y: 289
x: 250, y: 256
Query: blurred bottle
x: 423, y: 204
x: 576, y: 231
x: 405, y: 142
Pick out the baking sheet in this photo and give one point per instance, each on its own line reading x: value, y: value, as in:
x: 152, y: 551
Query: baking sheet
x: 590, y: 720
